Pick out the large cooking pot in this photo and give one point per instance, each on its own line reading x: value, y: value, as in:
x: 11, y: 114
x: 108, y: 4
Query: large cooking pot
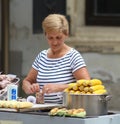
x: 94, y: 105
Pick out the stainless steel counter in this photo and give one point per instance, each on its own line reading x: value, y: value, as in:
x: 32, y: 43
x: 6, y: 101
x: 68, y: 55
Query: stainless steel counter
x: 43, y: 118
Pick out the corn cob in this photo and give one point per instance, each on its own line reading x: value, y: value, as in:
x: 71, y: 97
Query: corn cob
x: 96, y: 87
x: 88, y: 93
x: 95, y: 82
x: 15, y: 104
x: 86, y: 89
x: 80, y: 82
x: 75, y: 87
x: 24, y: 105
x: 12, y: 104
x: 77, y: 92
x: 70, y: 86
x: 83, y: 92
x: 2, y: 103
x: 66, y: 90
x: 53, y: 111
x: 86, y: 83
x: 5, y: 104
x: 81, y: 88
x: 103, y: 91
x: 69, y: 112
x: 72, y: 91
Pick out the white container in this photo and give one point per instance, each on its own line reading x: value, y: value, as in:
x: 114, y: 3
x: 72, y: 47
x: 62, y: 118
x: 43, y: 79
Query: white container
x: 12, y: 92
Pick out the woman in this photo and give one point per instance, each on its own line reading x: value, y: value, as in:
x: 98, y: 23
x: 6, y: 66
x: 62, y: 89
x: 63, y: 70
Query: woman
x: 56, y: 67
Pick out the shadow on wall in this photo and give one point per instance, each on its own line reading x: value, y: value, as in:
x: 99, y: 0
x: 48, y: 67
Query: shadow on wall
x: 112, y: 86
x: 21, y: 93
x: 114, y: 91
x: 16, y: 68
x: 16, y: 63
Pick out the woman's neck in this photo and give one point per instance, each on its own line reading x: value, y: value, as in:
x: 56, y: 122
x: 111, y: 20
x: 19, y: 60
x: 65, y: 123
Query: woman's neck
x: 59, y: 53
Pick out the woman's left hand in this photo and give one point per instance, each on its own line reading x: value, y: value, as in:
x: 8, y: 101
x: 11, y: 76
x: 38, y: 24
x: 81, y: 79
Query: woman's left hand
x: 52, y: 88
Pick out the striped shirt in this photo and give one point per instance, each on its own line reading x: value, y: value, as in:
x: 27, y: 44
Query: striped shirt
x: 57, y: 70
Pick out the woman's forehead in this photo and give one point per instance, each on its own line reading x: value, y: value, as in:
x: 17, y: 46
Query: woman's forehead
x: 54, y: 34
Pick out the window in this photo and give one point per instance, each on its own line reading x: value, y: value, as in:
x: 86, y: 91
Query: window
x: 103, y: 12
x: 41, y: 8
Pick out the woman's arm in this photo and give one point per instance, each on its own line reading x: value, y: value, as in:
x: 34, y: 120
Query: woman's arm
x: 29, y: 84
x: 51, y: 88
x: 81, y: 73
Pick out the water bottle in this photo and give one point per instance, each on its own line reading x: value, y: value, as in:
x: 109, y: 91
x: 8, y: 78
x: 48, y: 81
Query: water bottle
x: 12, y: 92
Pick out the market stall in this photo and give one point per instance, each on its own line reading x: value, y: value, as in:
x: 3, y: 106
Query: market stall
x: 80, y: 106
x: 44, y: 118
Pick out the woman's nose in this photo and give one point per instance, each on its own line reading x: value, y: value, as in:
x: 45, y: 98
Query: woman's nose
x: 54, y: 42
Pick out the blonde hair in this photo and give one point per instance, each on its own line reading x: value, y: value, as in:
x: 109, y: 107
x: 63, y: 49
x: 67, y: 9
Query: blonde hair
x: 55, y: 23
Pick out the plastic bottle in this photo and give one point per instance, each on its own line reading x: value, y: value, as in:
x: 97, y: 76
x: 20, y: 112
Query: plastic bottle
x: 12, y: 92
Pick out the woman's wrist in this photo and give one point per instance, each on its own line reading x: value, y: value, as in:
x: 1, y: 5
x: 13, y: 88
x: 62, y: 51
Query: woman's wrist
x: 25, y: 84
x: 62, y: 87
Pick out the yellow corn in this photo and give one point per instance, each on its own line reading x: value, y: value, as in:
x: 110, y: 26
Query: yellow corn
x: 24, y: 105
x: 12, y: 104
x: 95, y: 82
x: 97, y: 87
x: 86, y: 83
x: 103, y: 91
x: 66, y: 90
x: 88, y: 93
x: 2, y: 103
x: 81, y: 88
x: 84, y: 86
x: 86, y: 89
x: 90, y: 90
x: 80, y: 82
x: 15, y: 104
x: 75, y: 87
x: 77, y: 92
x: 70, y: 86
x: 83, y: 92
x: 72, y: 91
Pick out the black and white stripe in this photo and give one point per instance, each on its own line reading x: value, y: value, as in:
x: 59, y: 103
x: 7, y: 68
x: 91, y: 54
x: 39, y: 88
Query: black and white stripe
x: 58, y: 70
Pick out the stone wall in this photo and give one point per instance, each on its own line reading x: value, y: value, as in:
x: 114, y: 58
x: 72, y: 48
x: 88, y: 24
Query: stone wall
x: 100, y: 47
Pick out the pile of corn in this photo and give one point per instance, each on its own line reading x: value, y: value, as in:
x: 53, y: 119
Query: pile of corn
x: 93, y: 86
x: 15, y: 104
x: 80, y: 112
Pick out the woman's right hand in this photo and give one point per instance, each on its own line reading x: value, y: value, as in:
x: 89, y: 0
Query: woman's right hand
x: 29, y: 84
x: 31, y: 88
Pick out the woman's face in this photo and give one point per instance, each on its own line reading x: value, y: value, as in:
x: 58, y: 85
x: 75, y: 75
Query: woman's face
x: 56, y: 40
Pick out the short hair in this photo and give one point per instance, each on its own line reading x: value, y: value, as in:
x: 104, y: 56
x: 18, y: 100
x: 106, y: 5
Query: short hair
x: 55, y: 23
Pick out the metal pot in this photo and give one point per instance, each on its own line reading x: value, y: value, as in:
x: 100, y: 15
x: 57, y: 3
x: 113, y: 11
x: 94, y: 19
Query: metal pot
x: 94, y: 105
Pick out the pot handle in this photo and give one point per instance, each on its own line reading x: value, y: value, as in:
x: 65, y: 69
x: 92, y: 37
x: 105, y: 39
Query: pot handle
x: 106, y: 98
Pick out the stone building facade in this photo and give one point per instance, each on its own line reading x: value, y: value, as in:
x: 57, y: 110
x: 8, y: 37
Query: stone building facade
x: 99, y: 45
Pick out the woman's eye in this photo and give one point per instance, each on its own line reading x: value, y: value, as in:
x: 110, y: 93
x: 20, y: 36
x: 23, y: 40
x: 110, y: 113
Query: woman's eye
x: 58, y: 38
x: 50, y: 38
